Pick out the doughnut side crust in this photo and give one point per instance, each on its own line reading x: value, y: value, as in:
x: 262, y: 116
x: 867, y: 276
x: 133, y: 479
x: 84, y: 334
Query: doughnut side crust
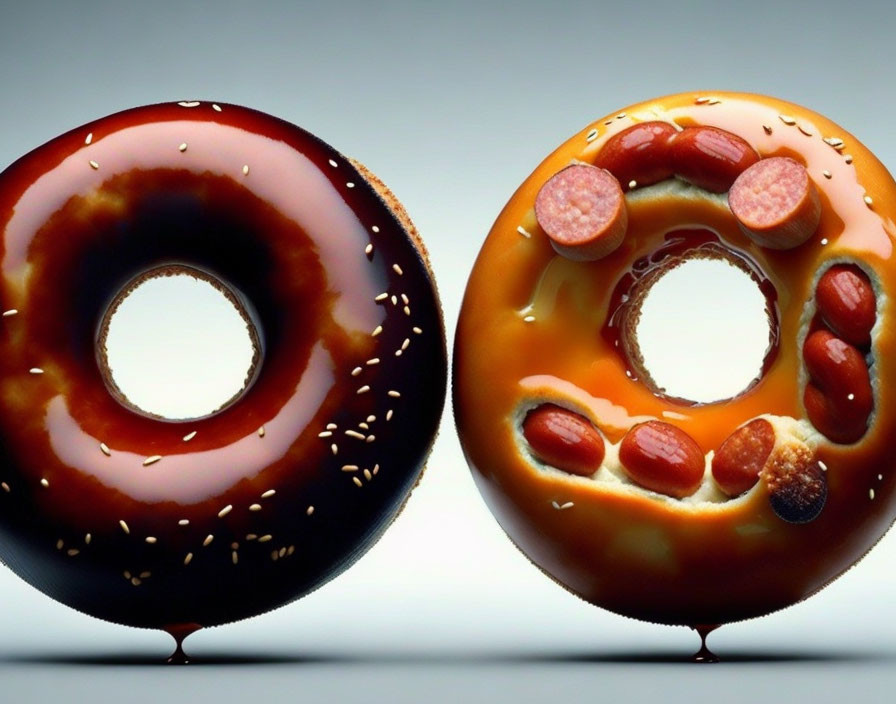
x: 603, y: 538
x: 151, y: 523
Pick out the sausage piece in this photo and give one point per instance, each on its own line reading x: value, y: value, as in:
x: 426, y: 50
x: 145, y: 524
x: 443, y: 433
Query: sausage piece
x: 564, y: 439
x: 839, y: 398
x: 582, y: 210
x: 639, y: 153
x: 737, y: 463
x: 775, y: 203
x: 662, y: 458
x: 846, y: 302
x: 710, y: 158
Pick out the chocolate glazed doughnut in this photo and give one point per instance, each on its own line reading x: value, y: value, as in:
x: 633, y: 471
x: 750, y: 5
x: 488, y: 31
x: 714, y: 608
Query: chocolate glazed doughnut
x: 148, y: 522
x: 653, y: 506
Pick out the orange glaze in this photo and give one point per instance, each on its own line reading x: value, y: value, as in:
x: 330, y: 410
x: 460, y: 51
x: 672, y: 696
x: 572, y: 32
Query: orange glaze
x: 613, y: 543
x: 208, y: 510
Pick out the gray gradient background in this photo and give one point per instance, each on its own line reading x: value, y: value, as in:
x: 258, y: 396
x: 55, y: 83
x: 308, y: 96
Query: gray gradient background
x: 452, y: 105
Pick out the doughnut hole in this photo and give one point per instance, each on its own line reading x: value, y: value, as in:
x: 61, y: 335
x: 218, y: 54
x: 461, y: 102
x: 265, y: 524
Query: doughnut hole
x: 699, y: 329
x: 178, y: 344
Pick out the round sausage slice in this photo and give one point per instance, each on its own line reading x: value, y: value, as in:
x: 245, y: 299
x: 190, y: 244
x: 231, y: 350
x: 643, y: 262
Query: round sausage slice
x: 582, y: 211
x: 776, y: 203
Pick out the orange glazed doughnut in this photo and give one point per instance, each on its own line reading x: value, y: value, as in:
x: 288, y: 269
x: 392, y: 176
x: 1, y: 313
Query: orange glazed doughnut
x: 179, y: 524
x: 653, y: 506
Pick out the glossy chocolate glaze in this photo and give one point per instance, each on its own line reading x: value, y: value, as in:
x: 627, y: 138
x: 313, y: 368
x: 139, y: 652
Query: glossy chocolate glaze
x: 264, y: 501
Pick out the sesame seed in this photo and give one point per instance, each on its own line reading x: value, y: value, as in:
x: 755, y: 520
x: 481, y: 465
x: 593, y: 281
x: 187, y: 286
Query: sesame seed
x: 714, y: 101
x: 787, y: 120
x: 822, y: 466
x: 524, y: 232
x: 234, y: 557
x: 354, y: 434
x: 568, y: 504
x: 363, y: 390
x: 71, y: 552
x: 868, y: 201
x: 405, y: 299
x: 632, y: 184
x: 349, y: 184
x: 245, y: 169
x: 35, y: 370
x: 357, y: 370
x: 824, y: 240
x: 255, y: 507
x: 127, y: 575
x: 848, y: 158
x: 404, y: 345
x: 136, y: 582
x: 87, y: 539
x: 394, y: 394
x: 370, y: 419
x: 151, y: 539
x: 870, y: 496
x: 620, y: 116
x: 188, y: 558
x: 398, y: 353
x: 826, y: 173
x: 89, y: 138
x: 397, y: 269
x: 834, y: 142
x: 364, y: 426
x: 880, y: 477
x: 216, y: 107
x: 189, y: 103
x: 389, y: 415
x: 701, y: 100
x: 407, y: 310
x: 274, y: 555
x: 376, y: 468
x: 183, y: 522
x: 182, y: 147
x: 373, y: 360
x: 124, y: 527
x: 189, y: 436
x: 269, y: 493
x: 371, y: 438
x: 394, y: 300
x: 368, y: 250
x: 381, y: 297
x: 416, y: 330
x: 282, y: 552
x: 375, y: 228
x: 44, y: 483
x: 591, y: 136
x: 261, y: 432
x: 349, y: 468
x: 290, y: 550
x: 251, y: 536
x: 325, y: 434
x: 332, y: 426
x: 767, y: 128
x: 850, y: 397
x: 93, y: 165
x: 208, y: 540
x: 265, y: 538
x: 60, y: 544
x: 529, y: 319
x: 367, y: 475
x: 104, y: 448
x: 151, y: 460
x: 224, y: 511
x: 357, y: 481
x: 608, y: 122
x: 309, y: 510
x: 5, y: 487
x: 10, y: 312
x: 334, y: 448
x: 377, y: 330
x: 804, y: 130
x: 145, y: 575
x: 333, y: 163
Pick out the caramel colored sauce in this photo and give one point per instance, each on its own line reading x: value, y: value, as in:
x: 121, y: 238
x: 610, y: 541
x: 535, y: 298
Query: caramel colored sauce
x: 530, y: 332
x: 151, y: 522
